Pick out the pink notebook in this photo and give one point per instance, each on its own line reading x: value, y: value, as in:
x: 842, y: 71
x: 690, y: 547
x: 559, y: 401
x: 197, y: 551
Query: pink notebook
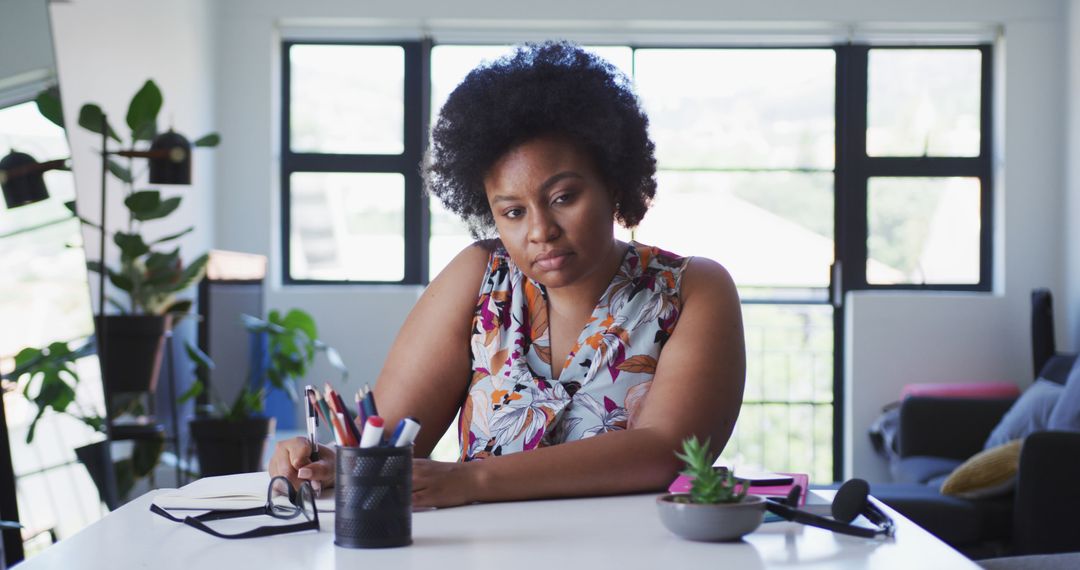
x: 681, y: 484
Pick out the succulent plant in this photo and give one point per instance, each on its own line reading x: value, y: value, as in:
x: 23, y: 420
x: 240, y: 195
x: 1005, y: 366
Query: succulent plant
x: 710, y: 485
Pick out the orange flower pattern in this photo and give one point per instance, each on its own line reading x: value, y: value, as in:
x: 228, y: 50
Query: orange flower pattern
x: 513, y: 403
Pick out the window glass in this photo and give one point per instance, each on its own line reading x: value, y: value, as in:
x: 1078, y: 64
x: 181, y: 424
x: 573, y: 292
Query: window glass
x: 768, y: 229
x: 923, y: 102
x: 347, y: 226
x: 739, y: 108
x: 923, y: 231
x: 347, y: 99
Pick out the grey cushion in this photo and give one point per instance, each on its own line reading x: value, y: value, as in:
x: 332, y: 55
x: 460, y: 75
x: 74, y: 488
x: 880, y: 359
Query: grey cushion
x: 922, y: 468
x: 1030, y: 413
x: 1066, y: 414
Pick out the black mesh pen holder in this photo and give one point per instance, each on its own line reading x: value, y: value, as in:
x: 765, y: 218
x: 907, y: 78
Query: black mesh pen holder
x: 373, y: 500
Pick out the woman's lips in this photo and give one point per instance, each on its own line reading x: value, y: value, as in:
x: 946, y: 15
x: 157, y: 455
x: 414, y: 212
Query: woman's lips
x: 552, y: 260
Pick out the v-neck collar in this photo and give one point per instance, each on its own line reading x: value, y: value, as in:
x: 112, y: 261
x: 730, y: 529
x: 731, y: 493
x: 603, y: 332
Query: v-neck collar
x: 589, y: 340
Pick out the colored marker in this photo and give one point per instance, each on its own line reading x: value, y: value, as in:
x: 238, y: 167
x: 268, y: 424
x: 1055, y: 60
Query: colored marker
x: 405, y: 433
x: 373, y: 431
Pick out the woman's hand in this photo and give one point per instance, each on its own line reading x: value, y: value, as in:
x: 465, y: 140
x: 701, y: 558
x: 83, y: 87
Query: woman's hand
x: 290, y: 460
x: 444, y: 484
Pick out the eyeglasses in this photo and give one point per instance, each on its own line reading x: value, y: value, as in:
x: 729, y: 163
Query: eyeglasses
x: 283, y: 502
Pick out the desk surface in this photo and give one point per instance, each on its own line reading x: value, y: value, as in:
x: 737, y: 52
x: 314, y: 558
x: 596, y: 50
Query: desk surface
x: 604, y: 532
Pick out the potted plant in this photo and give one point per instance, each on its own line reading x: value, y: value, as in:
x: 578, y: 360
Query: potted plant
x: 717, y: 507
x: 149, y: 271
x: 231, y: 437
x: 48, y: 378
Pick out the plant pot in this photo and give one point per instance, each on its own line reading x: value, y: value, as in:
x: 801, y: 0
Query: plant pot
x: 226, y: 447
x: 98, y: 461
x: 132, y: 353
x: 711, y: 523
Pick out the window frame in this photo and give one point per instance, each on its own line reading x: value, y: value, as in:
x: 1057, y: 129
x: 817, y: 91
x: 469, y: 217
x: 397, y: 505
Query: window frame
x: 855, y: 168
x: 414, y: 125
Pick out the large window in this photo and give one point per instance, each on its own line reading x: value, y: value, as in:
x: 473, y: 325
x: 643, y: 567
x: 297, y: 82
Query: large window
x: 806, y: 171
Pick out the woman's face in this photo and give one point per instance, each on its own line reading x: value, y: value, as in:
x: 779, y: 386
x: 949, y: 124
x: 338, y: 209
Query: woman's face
x: 552, y: 211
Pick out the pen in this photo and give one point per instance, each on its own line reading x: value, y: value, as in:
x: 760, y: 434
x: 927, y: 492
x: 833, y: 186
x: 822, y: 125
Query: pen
x: 369, y: 402
x: 405, y: 433
x: 372, y: 432
x: 312, y: 423
x: 360, y: 410
x: 324, y: 410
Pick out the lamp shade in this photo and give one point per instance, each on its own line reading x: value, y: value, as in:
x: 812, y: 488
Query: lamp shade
x: 22, y: 180
x: 170, y: 161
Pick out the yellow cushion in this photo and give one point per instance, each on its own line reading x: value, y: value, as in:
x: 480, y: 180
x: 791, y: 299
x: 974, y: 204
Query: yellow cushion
x: 987, y: 473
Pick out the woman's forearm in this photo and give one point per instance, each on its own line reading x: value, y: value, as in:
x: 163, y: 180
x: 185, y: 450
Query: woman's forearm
x: 627, y: 461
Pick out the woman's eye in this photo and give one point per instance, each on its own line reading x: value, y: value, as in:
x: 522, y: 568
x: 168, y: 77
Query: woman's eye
x: 563, y: 198
x: 513, y: 213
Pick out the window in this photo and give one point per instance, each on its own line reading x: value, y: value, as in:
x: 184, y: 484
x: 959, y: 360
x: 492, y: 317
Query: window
x: 806, y: 171
x: 351, y: 192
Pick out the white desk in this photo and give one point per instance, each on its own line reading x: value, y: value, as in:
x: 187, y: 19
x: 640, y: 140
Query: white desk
x: 607, y: 532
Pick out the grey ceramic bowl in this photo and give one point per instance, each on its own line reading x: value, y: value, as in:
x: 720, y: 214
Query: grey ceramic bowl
x: 725, y: 521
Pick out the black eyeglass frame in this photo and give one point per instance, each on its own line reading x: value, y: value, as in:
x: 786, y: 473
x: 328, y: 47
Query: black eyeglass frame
x: 296, y: 498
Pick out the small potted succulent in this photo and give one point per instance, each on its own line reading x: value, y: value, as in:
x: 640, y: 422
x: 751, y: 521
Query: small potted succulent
x: 717, y: 508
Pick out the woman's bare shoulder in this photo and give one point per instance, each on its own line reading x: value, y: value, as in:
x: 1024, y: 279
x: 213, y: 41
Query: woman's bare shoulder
x: 706, y: 281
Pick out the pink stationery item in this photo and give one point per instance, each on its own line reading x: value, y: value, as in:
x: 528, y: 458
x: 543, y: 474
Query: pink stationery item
x: 961, y: 390
x: 682, y: 483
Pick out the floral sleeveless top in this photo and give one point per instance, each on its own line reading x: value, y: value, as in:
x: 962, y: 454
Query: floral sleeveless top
x: 513, y: 403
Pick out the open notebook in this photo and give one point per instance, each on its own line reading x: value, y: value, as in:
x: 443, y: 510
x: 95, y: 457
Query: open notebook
x: 229, y: 492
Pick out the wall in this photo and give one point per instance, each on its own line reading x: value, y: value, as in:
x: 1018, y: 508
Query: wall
x: 894, y: 338
x: 27, y: 53
x: 1071, y: 211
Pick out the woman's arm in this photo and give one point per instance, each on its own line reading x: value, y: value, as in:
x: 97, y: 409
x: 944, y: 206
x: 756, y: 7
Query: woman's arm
x: 697, y: 389
x: 425, y: 374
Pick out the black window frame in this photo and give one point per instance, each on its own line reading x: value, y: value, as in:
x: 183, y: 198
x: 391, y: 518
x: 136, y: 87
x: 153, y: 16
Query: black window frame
x: 855, y: 168
x: 408, y: 163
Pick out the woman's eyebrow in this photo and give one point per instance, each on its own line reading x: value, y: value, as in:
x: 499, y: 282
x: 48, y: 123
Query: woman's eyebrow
x: 554, y: 179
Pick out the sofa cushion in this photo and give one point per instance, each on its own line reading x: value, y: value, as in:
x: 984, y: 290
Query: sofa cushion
x: 960, y: 522
x: 922, y: 468
x: 987, y: 474
x: 1066, y: 414
x: 1030, y: 413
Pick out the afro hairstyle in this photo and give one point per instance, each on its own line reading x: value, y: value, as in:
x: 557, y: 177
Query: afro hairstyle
x: 550, y: 88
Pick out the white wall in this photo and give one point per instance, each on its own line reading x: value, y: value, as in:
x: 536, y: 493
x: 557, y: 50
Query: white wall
x: 106, y: 50
x: 1071, y: 211
x: 895, y: 338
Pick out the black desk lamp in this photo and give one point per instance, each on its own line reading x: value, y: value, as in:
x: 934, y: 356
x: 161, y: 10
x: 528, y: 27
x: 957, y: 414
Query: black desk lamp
x: 22, y: 178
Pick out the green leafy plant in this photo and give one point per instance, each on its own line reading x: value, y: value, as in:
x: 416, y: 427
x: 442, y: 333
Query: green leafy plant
x: 292, y: 344
x: 710, y: 486
x: 149, y: 270
x: 48, y: 378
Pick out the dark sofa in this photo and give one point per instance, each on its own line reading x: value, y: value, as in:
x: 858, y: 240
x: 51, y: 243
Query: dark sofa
x: 938, y: 434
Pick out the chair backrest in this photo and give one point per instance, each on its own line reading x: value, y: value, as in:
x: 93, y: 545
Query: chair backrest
x: 1048, y: 362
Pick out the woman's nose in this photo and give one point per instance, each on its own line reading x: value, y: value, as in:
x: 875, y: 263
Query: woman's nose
x: 542, y: 226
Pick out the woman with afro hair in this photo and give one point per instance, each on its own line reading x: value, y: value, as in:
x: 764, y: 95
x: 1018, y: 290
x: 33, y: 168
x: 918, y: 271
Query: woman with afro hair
x: 577, y: 363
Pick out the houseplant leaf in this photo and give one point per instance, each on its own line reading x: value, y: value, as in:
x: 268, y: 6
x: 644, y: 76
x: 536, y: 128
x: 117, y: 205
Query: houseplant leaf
x: 119, y: 171
x: 164, y: 208
x: 91, y: 118
x: 131, y: 245
x: 192, y: 273
x: 143, y: 111
x: 210, y: 140
x: 48, y: 104
x: 171, y: 237
x: 142, y: 201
